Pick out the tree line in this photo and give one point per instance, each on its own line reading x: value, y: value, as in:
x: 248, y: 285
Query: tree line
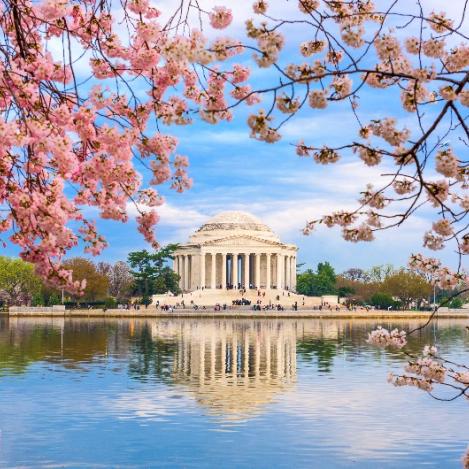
x: 147, y: 273
x: 382, y: 286
x: 107, y: 284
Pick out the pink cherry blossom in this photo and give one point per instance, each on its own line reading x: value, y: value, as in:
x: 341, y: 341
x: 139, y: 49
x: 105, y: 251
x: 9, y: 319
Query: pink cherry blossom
x: 220, y: 17
x: 383, y: 338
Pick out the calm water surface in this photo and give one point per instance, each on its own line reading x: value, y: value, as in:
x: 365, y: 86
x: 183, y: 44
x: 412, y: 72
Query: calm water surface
x: 219, y: 393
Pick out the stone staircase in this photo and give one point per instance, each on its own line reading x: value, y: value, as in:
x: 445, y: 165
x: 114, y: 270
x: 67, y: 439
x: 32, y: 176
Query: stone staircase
x: 209, y: 297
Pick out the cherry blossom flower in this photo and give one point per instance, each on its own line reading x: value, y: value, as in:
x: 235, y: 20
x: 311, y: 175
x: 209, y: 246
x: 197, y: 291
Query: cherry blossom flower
x: 308, y: 6
x: 342, y: 86
x: 439, y: 22
x: 432, y: 241
x: 260, y: 7
x: 403, y: 186
x: 220, y: 17
x: 288, y: 105
x: 384, y: 338
x: 318, y: 99
x: 465, y: 460
x: 447, y: 163
x: 311, y: 47
x: 370, y: 156
x: 443, y: 227
x: 361, y: 233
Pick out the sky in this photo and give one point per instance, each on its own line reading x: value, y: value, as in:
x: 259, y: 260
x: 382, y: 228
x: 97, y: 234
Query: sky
x: 234, y: 172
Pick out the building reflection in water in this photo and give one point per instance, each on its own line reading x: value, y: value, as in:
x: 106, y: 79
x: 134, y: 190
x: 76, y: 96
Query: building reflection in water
x: 232, y: 368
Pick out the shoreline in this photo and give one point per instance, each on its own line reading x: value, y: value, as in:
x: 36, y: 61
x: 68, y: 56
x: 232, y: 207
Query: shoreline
x: 235, y: 314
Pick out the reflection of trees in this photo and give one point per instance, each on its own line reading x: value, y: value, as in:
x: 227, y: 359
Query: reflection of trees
x: 158, y: 349
x: 17, y: 351
x: 151, y: 356
x: 23, y: 342
x: 323, y: 350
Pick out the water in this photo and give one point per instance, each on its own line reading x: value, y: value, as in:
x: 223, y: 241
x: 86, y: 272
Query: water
x: 219, y: 393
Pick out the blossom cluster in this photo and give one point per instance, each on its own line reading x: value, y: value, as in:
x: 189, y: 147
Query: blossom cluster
x: 465, y: 460
x: 439, y: 275
x: 381, y: 337
x: 65, y: 146
x: 424, y: 70
x: 430, y: 370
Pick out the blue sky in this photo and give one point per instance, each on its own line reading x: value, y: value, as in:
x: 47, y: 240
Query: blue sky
x: 234, y: 172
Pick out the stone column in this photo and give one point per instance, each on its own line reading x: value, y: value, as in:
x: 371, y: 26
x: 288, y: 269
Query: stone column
x: 294, y: 278
x: 257, y: 278
x: 186, y: 272
x: 293, y: 272
x: 279, y: 272
x: 268, y: 272
x: 234, y: 270
x: 246, y: 271
x: 181, y: 272
x: 176, y: 265
x: 202, y: 270
x: 213, y: 277
x: 223, y: 271
x: 287, y: 271
x: 180, y: 269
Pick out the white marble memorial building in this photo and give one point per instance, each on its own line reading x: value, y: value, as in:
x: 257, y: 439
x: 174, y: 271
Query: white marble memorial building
x: 235, y: 250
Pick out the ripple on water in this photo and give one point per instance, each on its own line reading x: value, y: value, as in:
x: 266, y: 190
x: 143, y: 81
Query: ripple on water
x: 209, y: 393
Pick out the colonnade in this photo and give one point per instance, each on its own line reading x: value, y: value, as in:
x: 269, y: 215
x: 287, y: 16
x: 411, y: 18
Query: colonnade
x: 226, y: 270
x: 213, y: 352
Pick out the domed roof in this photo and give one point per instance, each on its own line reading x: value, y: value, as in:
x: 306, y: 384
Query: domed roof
x: 234, y: 222
x: 233, y: 218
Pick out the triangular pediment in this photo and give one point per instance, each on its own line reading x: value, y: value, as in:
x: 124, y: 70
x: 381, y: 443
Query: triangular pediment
x: 242, y: 240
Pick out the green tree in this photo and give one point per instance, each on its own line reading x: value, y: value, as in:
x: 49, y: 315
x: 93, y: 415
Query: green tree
x: 54, y: 299
x: 168, y: 280
x: 18, y: 281
x: 408, y: 286
x: 345, y: 291
x: 383, y: 300
x: 456, y: 303
x: 38, y: 299
x: 97, y: 284
x: 151, y: 275
x: 321, y: 282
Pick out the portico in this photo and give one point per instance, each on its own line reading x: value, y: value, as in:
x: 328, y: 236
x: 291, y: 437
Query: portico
x: 234, y: 250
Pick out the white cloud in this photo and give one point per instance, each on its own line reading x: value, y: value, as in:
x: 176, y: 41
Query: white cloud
x: 153, y: 404
x: 371, y: 428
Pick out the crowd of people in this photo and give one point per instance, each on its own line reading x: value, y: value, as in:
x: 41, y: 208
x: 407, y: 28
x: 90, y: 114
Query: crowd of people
x: 260, y: 305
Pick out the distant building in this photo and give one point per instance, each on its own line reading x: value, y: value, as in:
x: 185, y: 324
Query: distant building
x: 235, y: 250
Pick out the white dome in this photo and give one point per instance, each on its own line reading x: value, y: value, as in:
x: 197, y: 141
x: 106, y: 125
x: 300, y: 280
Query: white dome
x: 234, y: 217
x: 232, y: 223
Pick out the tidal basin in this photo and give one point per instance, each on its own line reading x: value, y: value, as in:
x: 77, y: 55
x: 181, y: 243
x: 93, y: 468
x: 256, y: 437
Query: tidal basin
x: 220, y: 393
